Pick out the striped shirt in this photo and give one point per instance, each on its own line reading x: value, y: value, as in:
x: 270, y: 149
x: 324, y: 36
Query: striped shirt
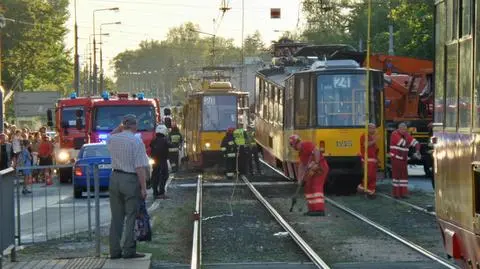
x: 127, y: 151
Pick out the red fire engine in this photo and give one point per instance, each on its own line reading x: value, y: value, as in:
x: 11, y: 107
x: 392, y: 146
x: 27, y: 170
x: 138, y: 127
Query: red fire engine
x: 72, y: 116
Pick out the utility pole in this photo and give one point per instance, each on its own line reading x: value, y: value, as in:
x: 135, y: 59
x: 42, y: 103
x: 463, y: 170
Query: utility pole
x: 77, y: 64
x: 243, y: 45
x: 2, y: 25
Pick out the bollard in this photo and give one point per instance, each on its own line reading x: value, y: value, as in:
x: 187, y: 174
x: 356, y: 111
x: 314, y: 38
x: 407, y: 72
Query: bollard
x: 97, y: 210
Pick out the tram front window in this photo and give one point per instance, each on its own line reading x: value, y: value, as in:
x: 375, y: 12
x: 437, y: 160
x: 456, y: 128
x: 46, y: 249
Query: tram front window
x: 341, y: 100
x: 219, y: 112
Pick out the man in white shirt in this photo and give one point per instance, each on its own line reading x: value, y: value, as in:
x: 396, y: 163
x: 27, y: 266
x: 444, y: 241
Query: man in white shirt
x: 127, y: 186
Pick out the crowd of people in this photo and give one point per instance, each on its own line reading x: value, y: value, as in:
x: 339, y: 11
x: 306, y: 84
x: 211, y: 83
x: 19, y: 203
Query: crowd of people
x: 22, y: 147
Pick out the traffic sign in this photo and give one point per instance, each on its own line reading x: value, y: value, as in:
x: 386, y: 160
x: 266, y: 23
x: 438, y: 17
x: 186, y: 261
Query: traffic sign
x: 275, y: 13
x: 30, y: 104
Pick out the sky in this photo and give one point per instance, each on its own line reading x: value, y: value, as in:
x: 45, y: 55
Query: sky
x: 151, y: 19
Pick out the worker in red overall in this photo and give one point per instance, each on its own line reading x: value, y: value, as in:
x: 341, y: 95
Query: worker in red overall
x: 400, y: 142
x: 312, y: 171
x: 372, y: 160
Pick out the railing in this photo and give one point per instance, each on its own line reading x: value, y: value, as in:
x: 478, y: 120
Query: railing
x: 7, y: 213
x: 52, y: 212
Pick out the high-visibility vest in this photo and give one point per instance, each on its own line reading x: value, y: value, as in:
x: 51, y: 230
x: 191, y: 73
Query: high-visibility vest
x: 239, y: 135
x: 175, y: 139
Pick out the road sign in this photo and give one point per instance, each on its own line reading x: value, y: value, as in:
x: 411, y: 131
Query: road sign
x: 275, y: 13
x: 30, y: 104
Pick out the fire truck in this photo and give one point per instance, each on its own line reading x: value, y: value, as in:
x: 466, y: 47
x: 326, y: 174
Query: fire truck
x: 72, y: 118
x: 81, y: 120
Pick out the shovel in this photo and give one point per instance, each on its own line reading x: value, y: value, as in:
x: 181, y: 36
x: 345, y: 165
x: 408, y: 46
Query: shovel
x: 294, y: 198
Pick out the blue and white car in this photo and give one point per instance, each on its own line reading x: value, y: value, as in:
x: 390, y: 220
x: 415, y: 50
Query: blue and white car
x: 89, y: 155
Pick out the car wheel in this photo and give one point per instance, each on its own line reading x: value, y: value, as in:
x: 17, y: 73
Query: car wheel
x: 77, y: 192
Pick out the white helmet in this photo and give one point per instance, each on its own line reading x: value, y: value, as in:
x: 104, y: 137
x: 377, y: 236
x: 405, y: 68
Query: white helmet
x: 161, y: 129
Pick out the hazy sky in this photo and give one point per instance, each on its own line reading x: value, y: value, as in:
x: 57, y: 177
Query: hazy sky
x: 151, y: 19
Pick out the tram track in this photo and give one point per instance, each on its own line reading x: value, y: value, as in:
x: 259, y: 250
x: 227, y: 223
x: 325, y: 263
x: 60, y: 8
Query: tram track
x: 382, y: 228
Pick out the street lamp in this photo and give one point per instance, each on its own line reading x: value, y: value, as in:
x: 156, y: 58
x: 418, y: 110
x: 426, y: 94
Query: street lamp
x: 101, y: 58
x: 94, y: 47
x: 213, y: 42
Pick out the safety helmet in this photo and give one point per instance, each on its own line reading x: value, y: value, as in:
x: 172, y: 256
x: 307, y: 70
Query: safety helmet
x: 161, y: 129
x: 294, y: 140
x: 230, y: 130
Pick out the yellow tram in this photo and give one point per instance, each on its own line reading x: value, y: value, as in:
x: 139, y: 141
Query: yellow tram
x: 456, y: 133
x: 207, y: 116
x: 323, y: 102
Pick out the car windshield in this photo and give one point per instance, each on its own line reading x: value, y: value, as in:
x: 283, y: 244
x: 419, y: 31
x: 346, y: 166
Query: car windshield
x: 69, y: 117
x: 219, y: 112
x: 107, y: 118
x: 95, y: 151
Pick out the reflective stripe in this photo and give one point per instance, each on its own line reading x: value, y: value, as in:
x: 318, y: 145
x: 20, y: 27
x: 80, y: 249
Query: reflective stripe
x: 403, y: 180
x: 316, y: 201
x: 313, y: 195
x: 231, y: 143
x: 372, y: 160
x: 223, y: 149
x: 231, y: 154
x: 173, y: 149
x: 370, y: 191
x: 230, y: 174
x: 360, y: 187
x: 401, y: 142
x: 399, y: 148
x: 397, y: 157
x: 414, y: 142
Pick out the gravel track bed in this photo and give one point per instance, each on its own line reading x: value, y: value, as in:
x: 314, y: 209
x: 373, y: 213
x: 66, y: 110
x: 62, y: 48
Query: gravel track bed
x: 416, y: 197
x: 418, y: 227
x: 247, y: 236
x: 338, y: 237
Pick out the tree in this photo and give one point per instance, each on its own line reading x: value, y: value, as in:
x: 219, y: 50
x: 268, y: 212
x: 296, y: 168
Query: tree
x: 34, y: 54
x: 253, y: 44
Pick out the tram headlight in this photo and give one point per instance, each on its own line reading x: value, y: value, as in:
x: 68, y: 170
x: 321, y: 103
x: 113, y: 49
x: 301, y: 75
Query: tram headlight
x: 207, y: 145
x: 63, y: 156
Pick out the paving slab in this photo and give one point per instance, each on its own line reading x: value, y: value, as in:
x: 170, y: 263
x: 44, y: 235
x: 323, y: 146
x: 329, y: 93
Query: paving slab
x: 140, y: 263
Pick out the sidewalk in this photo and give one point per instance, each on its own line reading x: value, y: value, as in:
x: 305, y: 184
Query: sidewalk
x: 83, y: 263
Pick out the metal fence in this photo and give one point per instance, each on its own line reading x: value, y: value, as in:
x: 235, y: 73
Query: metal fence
x: 7, y: 212
x: 52, y: 212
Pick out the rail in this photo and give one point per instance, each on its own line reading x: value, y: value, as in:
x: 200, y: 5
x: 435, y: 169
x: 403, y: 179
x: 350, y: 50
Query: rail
x: 296, y: 237
x: 416, y: 207
x: 412, y: 245
x: 196, y: 260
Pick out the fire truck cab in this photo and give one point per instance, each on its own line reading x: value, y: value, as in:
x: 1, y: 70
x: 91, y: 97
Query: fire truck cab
x: 107, y: 113
x: 72, y: 116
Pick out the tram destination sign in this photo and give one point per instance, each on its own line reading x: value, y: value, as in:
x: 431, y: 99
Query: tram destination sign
x: 31, y: 104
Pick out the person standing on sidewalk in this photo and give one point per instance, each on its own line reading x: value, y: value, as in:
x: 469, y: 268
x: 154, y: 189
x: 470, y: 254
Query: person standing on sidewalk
x: 127, y: 186
x: 6, y: 152
x: 45, y: 153
x: 160, y: 152
x: 27, y: 161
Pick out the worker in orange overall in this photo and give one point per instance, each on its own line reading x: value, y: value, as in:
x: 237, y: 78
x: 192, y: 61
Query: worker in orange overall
x: 400, y: 142
x: 313, y: 171
x: 372, y: 160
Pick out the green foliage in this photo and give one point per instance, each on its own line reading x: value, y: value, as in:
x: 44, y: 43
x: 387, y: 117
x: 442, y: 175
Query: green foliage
x: 33, y: 50
x: 166, y: 67
x: 345, y: 21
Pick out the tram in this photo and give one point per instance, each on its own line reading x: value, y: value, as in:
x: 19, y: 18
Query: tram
x: 456, y: 133
x: 324, y: 102
x: 207, y: 115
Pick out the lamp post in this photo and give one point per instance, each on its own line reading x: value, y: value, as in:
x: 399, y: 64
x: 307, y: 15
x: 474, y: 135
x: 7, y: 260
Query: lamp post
x: 101, y: 54
x: 93, y: 53
x: 94, y: 47
x: 76, y: 80
x: 213, y: 43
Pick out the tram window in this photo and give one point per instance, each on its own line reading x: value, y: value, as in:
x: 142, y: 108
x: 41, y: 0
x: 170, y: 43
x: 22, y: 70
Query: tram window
x: 466, y: 17
x: 452, y: 19
x: 312, y: 112
x: 440, y: 25
x: 289, y: 104
x: 257, y: 92
x: 219, y: 112
x: 465, y: 88
x: 272, y: 103
x: 341, y: 100
x: 260, y: 99
x: 280, y: 105
x: 451, y: 87
x: 301, y: 101
x: 265, y: 101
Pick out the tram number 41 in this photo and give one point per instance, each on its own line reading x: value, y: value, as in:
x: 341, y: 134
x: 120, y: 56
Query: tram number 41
x: 344, y: 144
x: 342, y: 82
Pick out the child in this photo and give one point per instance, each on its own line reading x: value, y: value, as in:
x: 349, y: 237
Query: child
x: 27, y: 162
x: 17, y: 146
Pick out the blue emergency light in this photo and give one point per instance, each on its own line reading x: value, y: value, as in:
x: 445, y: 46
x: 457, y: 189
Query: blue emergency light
x: 105, y: 95
x: 140, y: 96
x: 73, y: 95
x: 102, y: 138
